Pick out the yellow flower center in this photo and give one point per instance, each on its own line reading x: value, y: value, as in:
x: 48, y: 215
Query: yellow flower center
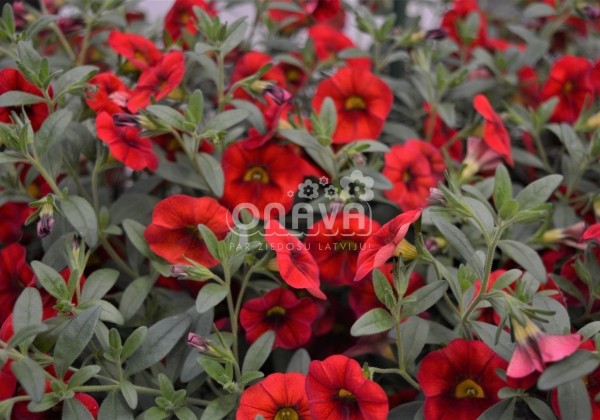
x: 354, y: 103
x: 568, y: 87
x: 346, y: 395
x: 276, y: 311
x: 287, y: 414
x: 469, y: 389
x: 293, y: 75
x: 406, y: 250
x: 406, y: 176
x: 256, y: 173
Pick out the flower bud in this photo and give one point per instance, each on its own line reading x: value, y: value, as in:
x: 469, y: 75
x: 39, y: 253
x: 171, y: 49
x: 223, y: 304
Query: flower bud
x: 278, y: 94
x: 46, y: 222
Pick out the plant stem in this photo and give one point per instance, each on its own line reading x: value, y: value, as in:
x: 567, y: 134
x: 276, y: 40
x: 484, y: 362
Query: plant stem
x: 115, y: 256
x: 86, y: 41
x: 220, y: 81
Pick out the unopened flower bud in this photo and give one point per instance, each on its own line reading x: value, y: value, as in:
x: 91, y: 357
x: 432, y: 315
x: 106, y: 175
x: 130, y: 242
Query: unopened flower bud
x: 278, y: 94
x: 591, y: 12
x: 126, y: 120
x: 46, y: 222
x: 437, y: 34
x: 178, y: 272
x: 359, y: 159
x: 198, y: 342
x: 436, y: 196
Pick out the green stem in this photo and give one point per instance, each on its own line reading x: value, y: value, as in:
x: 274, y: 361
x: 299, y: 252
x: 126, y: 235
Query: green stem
x: 59, y: 34
x: 234, y: 321
x: 42, y: 171
x: 85, y: 42
x: 220, y: 81
x: 542, y: 153
x: 115, y: 257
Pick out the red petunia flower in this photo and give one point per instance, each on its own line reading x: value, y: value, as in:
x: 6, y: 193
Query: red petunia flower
x: 362, y: 100
x: 328, y: 12
x: 456, y: 17
x: 413, y: 168
x: 173, y: 233
x: 295, y: 264
x: 13, y: 80
x: 140, y: 51
x: 262, y: 177
x: 335, y: 242
x: 277, y: 397
x: 592, y: 233
x: 329, y: 42
x: 570, y: 81
x: 337, y: 389
x: 535, y: 349
x: 460, y: 380
x: 441, y: 134
x: 109, y: 95
x: 158, y: 81
x: 125, y: 144
x: 282, y: 312
x: 386, y: 243
x: 12, y: 218
x: 494, y: 132
x: 15, y: 275
x: 181, y: 16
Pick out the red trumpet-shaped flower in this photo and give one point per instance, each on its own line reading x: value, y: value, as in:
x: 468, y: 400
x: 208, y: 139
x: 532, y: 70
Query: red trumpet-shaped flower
x: 280, y: 396
x: 534, y: 349
x: 173, y: 233
x: 181, y: 16
x: 295, y: 264
x: 386, y: 243
x: 494, y: 132
x: 140, y: 51
x: 15, y: 275
x: 362, y: 100
x: 282, y: 312
x: 108, y: 95
x: 12, y: 79
x: 329, y: 42
x: 460, y: 381
x: 592, y: 233
x: 337, y: 389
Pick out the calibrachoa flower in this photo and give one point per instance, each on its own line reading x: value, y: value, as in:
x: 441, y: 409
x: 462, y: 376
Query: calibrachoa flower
x: 108, y: 94
x: 140, y: 51
x: 280, y: 396
x: 494, y: 132
x: 13, y: 80
x: 592, y: 233
x: 460, y: 380
x: 329, y: 42
x: 282, y: 312
x: 534, y: 349
x: 15, y: 275
x: 126, y: 144
x: 413, y: 168
x: 386, y: 243
x: 294, y: 263
x: 262, y: 176
x: 337, y: 389
x: 181, y: 17
x: 570, y: 81
x: 173, y: 233
x: 362, y: 100
x: 335, y: 243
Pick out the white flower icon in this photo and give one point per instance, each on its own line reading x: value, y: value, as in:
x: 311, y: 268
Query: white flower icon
x: 331, y: 192
x: 357, y: 185
x: 308, y: 189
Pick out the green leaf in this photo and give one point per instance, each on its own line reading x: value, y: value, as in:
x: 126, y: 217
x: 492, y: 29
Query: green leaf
x: 526, y: 257
x: 28, y: 309
x: 131, y: 206
x: 487, y: 332
x: 212, y: 172
x: 31, y: 377
x: 159, y: 341
x: 414, y: 332
x: 167, y: 115
x: 328, y: 116
x: 215, y: 370
x: 219, y: 408
x: 51, y: 130
x: 406, y: 411
x: 74, y: 78
x: 375, y: 321
x: 83, y: 375
x: 461, y: 244
x: 80, y: 213
x: 299, y: 362
x: 211, y: 241
x: 506, y: 279
x: 135, y: 294
x: 383, y: 289
x: 16, y: 98
x: 114, y: 408
x: 502, y: 186
x: 579, y: 364
x: 424, y: 298
x: 574, y: 400
x: 26, y: 333
x: 259, y: 352
x: 538, y: 192
x: 236, y: 36
x: 539, y: 408
x: 74, y: 410
x: 135, y: 233
x: 99, y: 283
x: 210, y: 296
x: 134, y: 340
x: 109, y: 312
x: 538, y: 10
x: 129, y: 394
x: 503, y: 410
x: 226, y: 120
x: 185, y: 413
x: 73, y: 339
x: 195, y: 109
x: 589, y: 330
x: 50, y: 280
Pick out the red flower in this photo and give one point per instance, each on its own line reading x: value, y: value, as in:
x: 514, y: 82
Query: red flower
x: 335, y: 242
x: 385, y: 243
x: 329, y: 12
x: 140, y: 51
x: 413, y: 168
x: 282, y: 312
x: 456, y: 17
x: 294, y: 263
x: 262, y: 176
x: 362, y: 100
x: 12, y: 79
x: 158, y: 81
x: 329, y: 42
x: 441, y: 134
x: 535, y: 348
x: 494, y: 132
x: 12, y: 218
x: 125, y: 144
x: 173, y: 233
x: 277, y: 397
x: 181, y: 17
x: 592, y: 233
x: 569, y: 80
x: 15, y: 275
x: 337, y: 389
x: 110, y: 94
x: 460, y: 380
